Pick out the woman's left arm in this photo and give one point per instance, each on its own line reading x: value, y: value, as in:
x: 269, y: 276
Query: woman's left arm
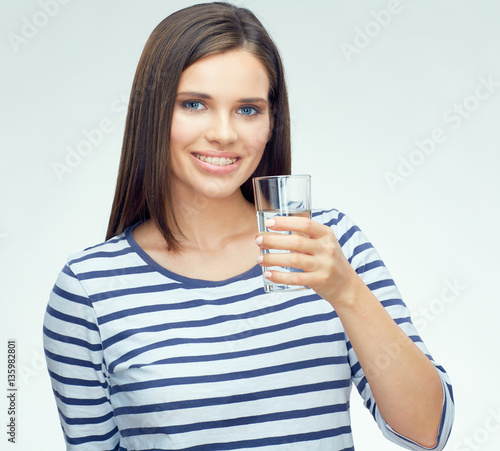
x: 407, y: 387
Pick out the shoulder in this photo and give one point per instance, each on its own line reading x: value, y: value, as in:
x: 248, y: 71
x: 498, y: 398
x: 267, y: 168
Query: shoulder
x: 333, y: 218
x: 350, y: 237
x: 88, y: 271
x: 100, y: 255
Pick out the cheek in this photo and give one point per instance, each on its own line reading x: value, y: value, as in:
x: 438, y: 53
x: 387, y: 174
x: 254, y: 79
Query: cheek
x: 181, y: 132
x: 258, y: 140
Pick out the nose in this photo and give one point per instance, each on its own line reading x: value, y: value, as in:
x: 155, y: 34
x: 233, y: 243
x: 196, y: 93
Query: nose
x: 221, y: 130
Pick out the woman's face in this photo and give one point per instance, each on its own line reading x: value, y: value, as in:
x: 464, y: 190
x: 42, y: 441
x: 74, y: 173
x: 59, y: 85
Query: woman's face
x: 220, y: 125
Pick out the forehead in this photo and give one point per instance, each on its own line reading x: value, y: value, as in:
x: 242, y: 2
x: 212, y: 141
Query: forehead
x: 237, y: 70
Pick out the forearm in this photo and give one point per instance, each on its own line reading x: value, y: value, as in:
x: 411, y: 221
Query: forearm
x: 404, y: 382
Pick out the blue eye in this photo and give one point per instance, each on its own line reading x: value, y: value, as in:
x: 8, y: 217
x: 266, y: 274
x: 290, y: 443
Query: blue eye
x: 194, y: 105
x: 248, y: 111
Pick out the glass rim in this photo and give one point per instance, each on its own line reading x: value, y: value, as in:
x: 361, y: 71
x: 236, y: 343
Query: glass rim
x: 268, y: 177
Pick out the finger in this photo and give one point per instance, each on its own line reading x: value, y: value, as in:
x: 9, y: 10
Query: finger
x: 307, y: 226
x: 288, y: 260
x: 293, y: 242
x: 287, y: 278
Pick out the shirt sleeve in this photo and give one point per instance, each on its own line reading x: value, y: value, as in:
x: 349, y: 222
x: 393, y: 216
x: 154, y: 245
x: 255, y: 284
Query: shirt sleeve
x: 73, y: 351
x: 368, y: 265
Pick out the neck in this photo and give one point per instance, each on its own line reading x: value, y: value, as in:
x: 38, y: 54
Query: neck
x: 211, y: 224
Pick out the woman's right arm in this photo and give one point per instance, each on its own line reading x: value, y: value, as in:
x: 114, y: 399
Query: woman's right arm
x: 73, y: 350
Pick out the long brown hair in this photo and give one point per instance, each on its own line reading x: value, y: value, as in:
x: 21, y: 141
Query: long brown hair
x: 143, y: 185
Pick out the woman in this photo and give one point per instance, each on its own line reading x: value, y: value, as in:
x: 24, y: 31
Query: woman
x: 163, y: 337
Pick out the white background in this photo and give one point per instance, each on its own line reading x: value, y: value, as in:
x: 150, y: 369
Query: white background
x: 356, y: 116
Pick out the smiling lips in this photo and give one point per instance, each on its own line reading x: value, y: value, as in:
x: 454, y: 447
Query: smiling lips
x: 216, y: 161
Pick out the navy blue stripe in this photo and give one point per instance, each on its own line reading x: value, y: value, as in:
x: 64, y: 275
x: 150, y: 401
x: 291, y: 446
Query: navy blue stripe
x: 402, y: 320
x: 332, y: 222
x: 358, y: 249
x: 372, y: 265
x: 238, y: 336
x: 75, y: 341
x: 450, y: 389
x: 249, y: 352
x: 81, y: 401
x: 71, y: 319
x: 347, y: 235
x: 233, y: 399
x: 440, y: 368
x: 418, y: 339
x: 176, y: 306
x: 70, y: 296
x: 316, y: 213
x: 90, y: 420
x: 391, y: 302
x: 102, y: 254
x: 236, y: 375
x: 67, y: 270
x: 72, y: 361
x: 166, y: 287
x: 206, y: 322
x: 362, y: 384
x: 270, y: 441
x: 355, y: 368
x: 91, y: 438
x: 241, y: 421
x: 77, y: 382
x: 443, y: 416
x: 114, y: 240
x: 143, y: 269
x: 381, y: 284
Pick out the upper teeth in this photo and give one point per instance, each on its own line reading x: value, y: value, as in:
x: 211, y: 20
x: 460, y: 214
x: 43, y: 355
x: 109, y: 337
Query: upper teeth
x: 219, y: 161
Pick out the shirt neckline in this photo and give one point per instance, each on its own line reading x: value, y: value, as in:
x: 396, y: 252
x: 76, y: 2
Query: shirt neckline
x: 255, y: 271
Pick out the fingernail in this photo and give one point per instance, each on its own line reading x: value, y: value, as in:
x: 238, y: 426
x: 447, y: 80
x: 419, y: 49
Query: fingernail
x: 260, y: 258
x: 258, y: 241
x: 270, y: 222
x: 268, y: 274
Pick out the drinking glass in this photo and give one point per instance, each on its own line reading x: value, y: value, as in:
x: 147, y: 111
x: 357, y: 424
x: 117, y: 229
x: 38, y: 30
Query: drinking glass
x: 281, y: 195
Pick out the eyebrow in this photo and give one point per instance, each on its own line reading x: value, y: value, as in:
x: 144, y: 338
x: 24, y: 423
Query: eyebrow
x: 202, y: 95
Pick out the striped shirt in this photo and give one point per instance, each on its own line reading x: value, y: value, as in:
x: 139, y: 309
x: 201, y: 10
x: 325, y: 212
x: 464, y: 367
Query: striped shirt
x: 141, y: 358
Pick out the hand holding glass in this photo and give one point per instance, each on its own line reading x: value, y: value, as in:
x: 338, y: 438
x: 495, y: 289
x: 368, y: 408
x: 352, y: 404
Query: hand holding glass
x: 282, y: 195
